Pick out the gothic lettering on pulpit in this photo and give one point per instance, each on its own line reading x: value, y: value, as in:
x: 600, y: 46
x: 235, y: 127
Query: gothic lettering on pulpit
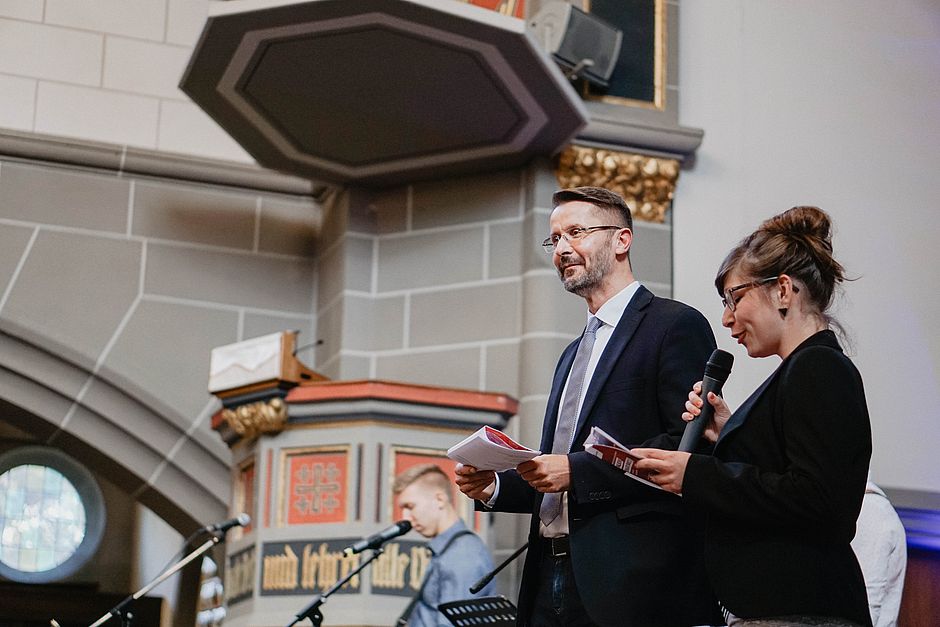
x: 240, y: 576
x: 306, y: 567
x: 313, y: 566
x: 400, y: 568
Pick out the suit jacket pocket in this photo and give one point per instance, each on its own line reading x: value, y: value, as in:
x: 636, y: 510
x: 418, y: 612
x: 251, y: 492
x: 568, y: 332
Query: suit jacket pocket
x: 617, y: 385
x: 637, y: 510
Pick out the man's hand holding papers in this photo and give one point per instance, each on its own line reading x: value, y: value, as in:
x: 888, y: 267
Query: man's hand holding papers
x: 490, y: 449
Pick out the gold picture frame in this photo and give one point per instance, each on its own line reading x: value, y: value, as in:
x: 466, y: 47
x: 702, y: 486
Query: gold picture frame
x: 660, y: 40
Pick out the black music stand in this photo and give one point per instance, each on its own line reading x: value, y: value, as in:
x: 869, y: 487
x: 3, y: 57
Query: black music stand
x: 495, y: 611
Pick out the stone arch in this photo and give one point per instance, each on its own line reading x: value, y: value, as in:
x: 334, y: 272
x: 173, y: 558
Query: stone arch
x: 174, y: 470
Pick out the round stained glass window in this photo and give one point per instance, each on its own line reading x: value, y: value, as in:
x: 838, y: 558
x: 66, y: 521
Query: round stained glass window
x: 42, y: 518
x: 51, y: 514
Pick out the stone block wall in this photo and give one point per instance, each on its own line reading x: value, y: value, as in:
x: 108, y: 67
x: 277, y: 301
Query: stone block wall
x: 113, y: 291
x: 106, y: 70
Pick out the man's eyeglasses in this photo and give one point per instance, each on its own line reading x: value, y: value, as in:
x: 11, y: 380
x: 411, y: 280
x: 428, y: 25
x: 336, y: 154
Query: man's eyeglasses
x: 573, y: 235
x: 731, y: 302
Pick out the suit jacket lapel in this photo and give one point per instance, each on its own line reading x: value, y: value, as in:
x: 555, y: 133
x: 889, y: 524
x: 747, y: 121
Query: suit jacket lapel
x: 737, y: 419
x: 621, y: 335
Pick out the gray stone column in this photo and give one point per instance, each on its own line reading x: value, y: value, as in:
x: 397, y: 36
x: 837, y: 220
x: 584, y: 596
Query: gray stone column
x: 350, y: 322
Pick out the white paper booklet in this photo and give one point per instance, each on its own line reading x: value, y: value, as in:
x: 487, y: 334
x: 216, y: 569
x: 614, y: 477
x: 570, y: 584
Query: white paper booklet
x: 490, y: 449
x: 601, y: 444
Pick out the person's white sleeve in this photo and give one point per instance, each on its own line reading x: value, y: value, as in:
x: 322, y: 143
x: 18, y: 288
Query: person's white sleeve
x: 880, y: 545
x: 491, y: 503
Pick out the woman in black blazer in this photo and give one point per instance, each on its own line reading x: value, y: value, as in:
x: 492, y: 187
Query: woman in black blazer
x: 782, y: 490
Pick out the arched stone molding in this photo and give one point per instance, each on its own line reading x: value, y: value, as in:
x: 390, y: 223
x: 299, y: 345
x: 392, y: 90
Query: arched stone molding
x: 119, y: 270
x: 171, y: 468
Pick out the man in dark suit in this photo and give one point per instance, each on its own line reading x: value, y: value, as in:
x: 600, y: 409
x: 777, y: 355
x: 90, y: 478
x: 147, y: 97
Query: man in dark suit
x: 605, y: 549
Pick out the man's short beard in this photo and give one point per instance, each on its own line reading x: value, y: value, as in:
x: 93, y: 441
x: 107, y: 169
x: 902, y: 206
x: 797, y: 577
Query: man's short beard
x: 587, y: 282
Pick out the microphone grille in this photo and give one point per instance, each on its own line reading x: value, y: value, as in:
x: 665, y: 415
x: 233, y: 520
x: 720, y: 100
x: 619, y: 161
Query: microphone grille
x: 404, y: 526
x: 243, y: 519
x: 719, y: 365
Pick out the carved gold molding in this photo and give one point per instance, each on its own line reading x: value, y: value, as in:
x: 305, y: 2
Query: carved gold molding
x: 252, y: 419
x: 646, y: 183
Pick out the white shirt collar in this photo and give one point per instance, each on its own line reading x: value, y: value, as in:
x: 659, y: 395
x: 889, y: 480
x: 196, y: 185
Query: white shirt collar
x: 611, y: 311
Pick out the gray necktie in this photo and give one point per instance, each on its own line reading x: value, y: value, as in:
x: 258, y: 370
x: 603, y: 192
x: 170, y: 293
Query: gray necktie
x: 568, y: 415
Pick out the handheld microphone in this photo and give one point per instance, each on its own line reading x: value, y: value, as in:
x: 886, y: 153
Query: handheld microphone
x: 716, y: 373
x: 241, y: 520
x: 375, y: 541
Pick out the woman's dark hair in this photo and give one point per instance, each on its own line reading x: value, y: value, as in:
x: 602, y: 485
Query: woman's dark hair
x: 797, y: 242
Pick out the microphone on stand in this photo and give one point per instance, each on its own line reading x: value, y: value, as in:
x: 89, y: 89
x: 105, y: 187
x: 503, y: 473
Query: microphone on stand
x: 375, y: 541
x: 716, y: 373
x: 488, y: 577
x: 242, y: 520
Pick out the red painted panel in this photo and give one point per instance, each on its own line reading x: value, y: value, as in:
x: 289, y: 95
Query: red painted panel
x: 317, y: 487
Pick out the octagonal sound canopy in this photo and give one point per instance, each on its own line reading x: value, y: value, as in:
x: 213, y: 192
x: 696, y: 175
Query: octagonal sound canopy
x: 380, y: 92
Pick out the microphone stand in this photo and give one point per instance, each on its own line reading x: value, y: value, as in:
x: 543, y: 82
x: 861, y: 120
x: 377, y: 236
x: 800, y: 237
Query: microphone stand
x: 489, y: 576
x: 312, y: 611
x: 123, y: 610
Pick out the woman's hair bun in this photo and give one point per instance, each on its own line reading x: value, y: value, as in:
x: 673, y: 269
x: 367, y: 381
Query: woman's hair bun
x: 797, y: 242
x: 804, y: 222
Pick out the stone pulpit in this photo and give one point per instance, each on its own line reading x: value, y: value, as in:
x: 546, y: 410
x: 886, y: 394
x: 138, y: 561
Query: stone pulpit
x: 313, y: 466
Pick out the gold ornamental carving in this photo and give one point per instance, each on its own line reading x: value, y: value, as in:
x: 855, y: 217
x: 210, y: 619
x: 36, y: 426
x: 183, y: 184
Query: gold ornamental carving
x: 252, y: 419
x: 646, y: 183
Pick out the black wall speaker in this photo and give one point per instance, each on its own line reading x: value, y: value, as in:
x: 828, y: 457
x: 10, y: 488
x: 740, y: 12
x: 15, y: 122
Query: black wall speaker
x: 585, y: 45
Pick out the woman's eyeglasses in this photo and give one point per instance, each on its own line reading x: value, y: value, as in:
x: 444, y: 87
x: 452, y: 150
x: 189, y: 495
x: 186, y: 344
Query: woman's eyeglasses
x: 731, y: 301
